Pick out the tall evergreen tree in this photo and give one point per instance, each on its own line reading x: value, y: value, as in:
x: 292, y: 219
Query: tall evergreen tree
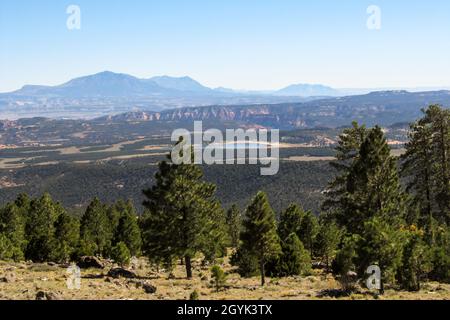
x: 337, y: 202
x: 259, y: 236
x: 67, y: 234
x: 327, y: 241
x: 95, y: 229
x: 128, y: 231
x: 290, y: 221
x: 309, y: 228
x: 294, y: 259
x: 40, y: 228
x: 182, y: 214
x: 12, y: 227
x: 372, y: 185
x: 425, y: 167
x: 234, y: 224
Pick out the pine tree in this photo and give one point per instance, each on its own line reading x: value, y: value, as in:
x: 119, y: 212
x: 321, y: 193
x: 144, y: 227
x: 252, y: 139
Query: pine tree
x: 290, y: 221
x: 382, y: 244
x: 120, y: 254
x: 309, y: 228
x: 373, y: 184
x: 337, y: 203
x: 234, y: 224
x: 440, y: 124
x: 425, y: 167
x: 40, y: 228
x: 327, y: 241
x: 127, y: 230
x: 294, y: 260
x: 12, y: 226
x: 67, y: 234
x: 219, y: 277
x: 416, y: 261
x: 259, y: 237
x: 182, y: 214
x: 95, y: 230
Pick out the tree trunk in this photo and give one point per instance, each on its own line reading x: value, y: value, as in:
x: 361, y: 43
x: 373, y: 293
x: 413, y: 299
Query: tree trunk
x: 381, y: 286
x: 263, y: 276
x: 188, y: 267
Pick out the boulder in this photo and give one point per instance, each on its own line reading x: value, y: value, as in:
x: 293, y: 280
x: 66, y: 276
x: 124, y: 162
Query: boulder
x: 148, y: 288
x: 121, y: 273
x: 42, y: 295
x: 8, y: 277
x: 90, y: 262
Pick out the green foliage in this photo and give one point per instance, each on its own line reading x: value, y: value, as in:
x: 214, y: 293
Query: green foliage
x: 95, y: 228
x: 121, y: 254
x: 194, y: 295
x: 183, y: 217
x: 290, y: 221
x: 247, y: 263
x: 309, y: 227
x: 259, y: 237
x: 440, y: 255
x: 234, y: 224
x: 8, y: 251
x: 12, y: 227
x: 416, y: 261
x: 218, y: 277
x: 67, y: 234
x: 382, y: 245
x: 425, y: 165
x: 327, y: 241
x: 294, y: 260
x: 40, y: 228
x: 127, y: 230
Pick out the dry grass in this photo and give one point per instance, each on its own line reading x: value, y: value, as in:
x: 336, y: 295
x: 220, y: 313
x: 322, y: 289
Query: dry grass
x: 95, y: 285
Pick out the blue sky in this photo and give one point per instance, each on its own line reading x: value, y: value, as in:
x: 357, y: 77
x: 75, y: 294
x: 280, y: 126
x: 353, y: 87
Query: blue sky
x: 242, y: 44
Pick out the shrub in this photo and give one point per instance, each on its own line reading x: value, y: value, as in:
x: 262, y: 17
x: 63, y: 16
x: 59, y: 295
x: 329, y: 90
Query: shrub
x: 218, y: 277
x: 121, y: 254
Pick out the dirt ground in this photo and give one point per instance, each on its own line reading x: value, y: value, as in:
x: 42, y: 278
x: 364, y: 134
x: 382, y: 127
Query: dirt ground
x: 23, y: 281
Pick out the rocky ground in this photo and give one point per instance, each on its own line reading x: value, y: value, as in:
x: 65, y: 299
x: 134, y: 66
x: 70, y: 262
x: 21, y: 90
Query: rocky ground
x: 29, y: 281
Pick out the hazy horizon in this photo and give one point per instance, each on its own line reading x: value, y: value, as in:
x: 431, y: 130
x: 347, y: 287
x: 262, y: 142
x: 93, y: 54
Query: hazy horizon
x: 243, y: 45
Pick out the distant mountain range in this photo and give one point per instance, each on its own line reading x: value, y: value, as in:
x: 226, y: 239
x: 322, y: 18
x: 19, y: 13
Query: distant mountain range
x: 383, y: 108
x: 109, y: 84
x: 109, y: 93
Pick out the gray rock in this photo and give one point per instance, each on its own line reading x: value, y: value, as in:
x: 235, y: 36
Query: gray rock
x: 121, y: 273
x: 148, y: 288
x: 42, y: 295
x: 90, y: 262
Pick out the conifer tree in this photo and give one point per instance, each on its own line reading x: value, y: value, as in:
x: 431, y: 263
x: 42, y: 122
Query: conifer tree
x: 40, y: 228
x: 128, y: 230
x: 234, y: 224
x: 12, y: 227
x: 259, y: 237
x: 67, y: 234
x: 416, y: 260
x: 309, y: 228
x: 290, y: 221
x: 95, y: 229
x: 182, y: 214
x: 337, y: 201
x: 294, y: 260
x: 373, y: 184
x: 426, y: 169
x: 327, y: 241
